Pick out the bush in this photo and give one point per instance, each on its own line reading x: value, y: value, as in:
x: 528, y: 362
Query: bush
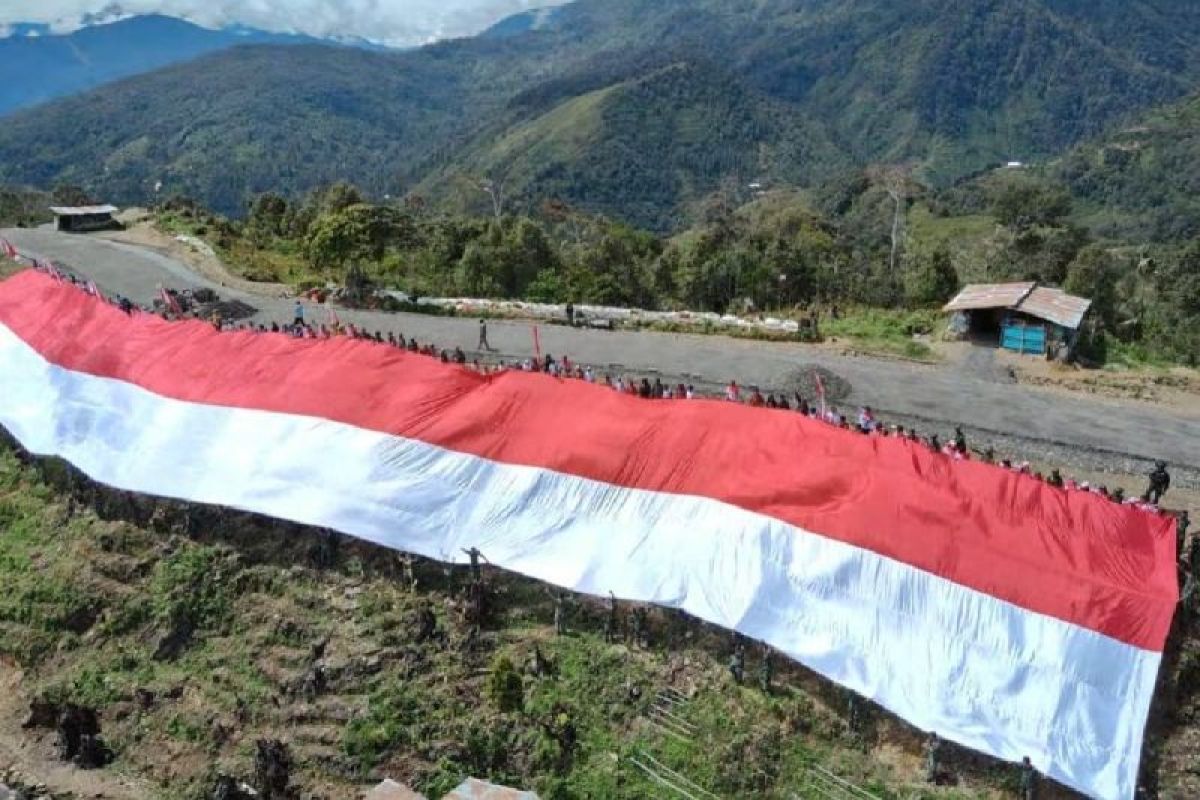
x: 504, y: 686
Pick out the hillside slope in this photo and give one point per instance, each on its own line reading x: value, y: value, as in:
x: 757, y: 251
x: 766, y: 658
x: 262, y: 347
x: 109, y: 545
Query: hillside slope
x: 1142, y: 179
x: 196, y: 633
x: 948, y: 86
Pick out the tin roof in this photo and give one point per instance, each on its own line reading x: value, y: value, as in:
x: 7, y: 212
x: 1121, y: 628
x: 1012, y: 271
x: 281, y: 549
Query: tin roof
x: 474, y: 789
x: 1055, y: 305
x: 990, y: 295
x: 79, y: 211
x: 1052, y: 305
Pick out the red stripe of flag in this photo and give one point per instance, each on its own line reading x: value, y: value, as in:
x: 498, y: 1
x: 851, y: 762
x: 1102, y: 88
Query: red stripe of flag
x: 1071, y: 555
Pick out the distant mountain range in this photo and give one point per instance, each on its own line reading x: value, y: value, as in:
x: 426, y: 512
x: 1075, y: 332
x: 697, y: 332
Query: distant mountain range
x: 37, y: 65
x: 532, y: 20
x: 635, y: 108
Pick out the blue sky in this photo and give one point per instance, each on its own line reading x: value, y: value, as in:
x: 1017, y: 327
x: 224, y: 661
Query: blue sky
x: 396, y: 22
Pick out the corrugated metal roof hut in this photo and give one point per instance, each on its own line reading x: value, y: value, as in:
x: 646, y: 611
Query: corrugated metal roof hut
x: 1023, y: 317
x: 80, y: 219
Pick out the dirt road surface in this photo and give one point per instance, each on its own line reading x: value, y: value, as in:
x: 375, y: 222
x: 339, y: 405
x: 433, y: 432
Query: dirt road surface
x: 939, y: 395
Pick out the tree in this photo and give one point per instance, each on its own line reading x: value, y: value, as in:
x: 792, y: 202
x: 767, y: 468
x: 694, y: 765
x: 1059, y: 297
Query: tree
x: 527, y: 253
x: 356, y: 233
x: 898, y: 182
x: 71, y: 195
x: 1026, y: 203
x: 339, y: 197
x: 1173, y: 327
x: 932, y: 280
x: 267, y: 214
x: 1094, y: 275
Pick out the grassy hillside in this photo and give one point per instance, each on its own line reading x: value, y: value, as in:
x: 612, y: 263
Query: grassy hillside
x: 196, y: 633
x: 785, y: 90
x: 649, y: 147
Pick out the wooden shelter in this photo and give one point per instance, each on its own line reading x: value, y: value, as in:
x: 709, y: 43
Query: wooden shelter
x: 82, y: 219
x: 1022, y: 317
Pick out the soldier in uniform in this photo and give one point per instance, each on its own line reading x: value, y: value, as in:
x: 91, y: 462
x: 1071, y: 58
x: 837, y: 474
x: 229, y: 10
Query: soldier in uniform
x: 476, y: 570
x: 1160, y: 482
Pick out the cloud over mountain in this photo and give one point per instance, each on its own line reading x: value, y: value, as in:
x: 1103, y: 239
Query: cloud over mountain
x: 394, y: 22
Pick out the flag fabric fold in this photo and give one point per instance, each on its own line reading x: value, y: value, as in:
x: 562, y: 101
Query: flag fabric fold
x: 1009, y: 616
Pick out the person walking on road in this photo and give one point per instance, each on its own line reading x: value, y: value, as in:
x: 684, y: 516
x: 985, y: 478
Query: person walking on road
x: 483, y: 340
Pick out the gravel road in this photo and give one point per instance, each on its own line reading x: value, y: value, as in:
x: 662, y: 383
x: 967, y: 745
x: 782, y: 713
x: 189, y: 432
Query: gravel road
x: 1099, y: 434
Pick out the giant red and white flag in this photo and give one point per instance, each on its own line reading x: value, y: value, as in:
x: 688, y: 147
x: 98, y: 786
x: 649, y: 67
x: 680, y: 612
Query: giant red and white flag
x: 1009, y: 616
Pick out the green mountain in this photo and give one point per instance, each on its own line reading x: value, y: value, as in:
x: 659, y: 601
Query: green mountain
x: 635, y: 108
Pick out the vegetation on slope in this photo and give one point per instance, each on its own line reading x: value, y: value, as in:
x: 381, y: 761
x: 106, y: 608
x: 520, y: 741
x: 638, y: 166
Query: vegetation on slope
x: 1141, y: 183
x: 21, y: 208
x: 196, y: 632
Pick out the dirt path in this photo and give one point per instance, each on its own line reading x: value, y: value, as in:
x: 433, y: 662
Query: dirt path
x: 141, y: 232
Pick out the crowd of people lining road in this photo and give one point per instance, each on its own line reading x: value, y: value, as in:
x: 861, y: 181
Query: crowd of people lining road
x: 864, y: 421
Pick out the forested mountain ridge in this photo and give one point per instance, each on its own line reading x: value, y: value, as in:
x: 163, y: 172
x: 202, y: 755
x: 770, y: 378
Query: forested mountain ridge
x: 635, y: 108
x: 1143, y: 179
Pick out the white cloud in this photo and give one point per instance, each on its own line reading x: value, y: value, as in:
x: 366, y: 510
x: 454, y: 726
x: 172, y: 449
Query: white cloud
x: 396, y: 22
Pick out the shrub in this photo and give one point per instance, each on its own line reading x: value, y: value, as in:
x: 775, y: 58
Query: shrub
x: 504, y: 686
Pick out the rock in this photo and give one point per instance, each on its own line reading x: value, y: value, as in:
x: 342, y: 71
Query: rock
x: 78, y: 738
x: 145, y: 698
x: 272, y: 769
x: 42, y: 714
x: 176, y: 640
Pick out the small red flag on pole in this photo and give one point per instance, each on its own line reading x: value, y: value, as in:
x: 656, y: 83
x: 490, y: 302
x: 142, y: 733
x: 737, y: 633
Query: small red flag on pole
x: 170, y: 301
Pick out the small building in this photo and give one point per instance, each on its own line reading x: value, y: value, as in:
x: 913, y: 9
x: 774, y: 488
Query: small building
x: 82, y: 219
x: 1022, y: 317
